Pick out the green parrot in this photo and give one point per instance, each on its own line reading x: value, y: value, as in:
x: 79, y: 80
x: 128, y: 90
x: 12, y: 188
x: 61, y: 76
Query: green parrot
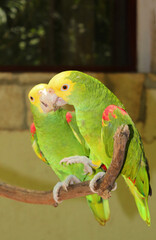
x: 99, y: 113
x: 54, y: 136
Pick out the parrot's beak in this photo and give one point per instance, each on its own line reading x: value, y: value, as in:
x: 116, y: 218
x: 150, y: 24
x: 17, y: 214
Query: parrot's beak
x: 50, y: 101
x: 55, y: 100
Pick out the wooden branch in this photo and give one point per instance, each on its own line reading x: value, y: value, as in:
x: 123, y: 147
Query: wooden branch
x: 103, y: 187
x: 43, y: 197
x: 106, y: 184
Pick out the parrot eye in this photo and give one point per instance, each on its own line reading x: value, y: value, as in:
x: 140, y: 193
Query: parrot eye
x: 65, y: 87
x: 31, y: 98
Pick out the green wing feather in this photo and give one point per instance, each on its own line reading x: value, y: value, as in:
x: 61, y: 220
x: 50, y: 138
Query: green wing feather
x: 135, y: 169
x: 35, y: 145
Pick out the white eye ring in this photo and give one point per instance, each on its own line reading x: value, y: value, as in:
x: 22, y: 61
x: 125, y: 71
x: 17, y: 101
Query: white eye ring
x: 65, y: 87
x: 32, y: 99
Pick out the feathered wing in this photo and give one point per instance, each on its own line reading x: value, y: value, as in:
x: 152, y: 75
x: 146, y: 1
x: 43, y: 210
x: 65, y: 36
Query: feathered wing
x: 135, y: 169
x: 35, y: 144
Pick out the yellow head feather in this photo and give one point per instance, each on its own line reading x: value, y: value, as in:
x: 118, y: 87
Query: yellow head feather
x: 34, y: 95
x: 62, y: 85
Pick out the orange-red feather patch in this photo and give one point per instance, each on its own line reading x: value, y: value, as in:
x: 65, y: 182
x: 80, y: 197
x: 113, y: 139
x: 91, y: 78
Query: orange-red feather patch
x: 110, y: 110
x: 33, y: 129
x: 68, y: 117
x: 132, y: 181
x: 104, y: 167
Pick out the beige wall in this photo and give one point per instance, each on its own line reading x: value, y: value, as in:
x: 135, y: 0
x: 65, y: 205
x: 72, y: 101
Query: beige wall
x: 19, y: 166
x: 146, y: 36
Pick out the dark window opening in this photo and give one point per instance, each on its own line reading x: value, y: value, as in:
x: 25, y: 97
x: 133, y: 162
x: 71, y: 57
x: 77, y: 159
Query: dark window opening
x: 49, y: 35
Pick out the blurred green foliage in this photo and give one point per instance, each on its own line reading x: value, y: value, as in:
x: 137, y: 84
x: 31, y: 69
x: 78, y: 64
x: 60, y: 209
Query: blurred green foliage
x: 56, y: 32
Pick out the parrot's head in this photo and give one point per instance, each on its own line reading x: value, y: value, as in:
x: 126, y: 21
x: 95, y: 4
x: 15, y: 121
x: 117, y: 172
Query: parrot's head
x: 44, y: 100
x: 35, y: 94
x: 72, y: 86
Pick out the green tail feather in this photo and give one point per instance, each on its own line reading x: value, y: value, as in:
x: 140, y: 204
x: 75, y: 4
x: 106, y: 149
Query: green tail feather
x: 99, y: 207
x: 141, y: 201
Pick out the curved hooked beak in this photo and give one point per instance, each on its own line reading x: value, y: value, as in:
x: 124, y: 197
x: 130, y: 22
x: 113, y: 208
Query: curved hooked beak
x: 50, y: 101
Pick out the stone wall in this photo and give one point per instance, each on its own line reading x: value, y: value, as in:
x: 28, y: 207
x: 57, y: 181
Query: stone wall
x: 136, y: 91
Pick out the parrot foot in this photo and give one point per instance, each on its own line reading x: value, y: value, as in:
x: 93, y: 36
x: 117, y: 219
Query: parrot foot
x: 97, y: 177
x: 71, y: 179
x: 80, y: 159
x: 94, y: 180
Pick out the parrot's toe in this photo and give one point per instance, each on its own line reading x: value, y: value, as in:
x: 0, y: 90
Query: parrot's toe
x: 88, y: 169
x: 114, y: 187
x: 56, y: 191
x: 71, y: 179
x: 94, y: 180
x: 97, y: 177
x: 88, y: 165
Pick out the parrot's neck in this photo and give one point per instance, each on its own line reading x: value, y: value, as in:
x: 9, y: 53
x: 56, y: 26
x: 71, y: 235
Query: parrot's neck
x: 44, y: 119
x: 50, y: 128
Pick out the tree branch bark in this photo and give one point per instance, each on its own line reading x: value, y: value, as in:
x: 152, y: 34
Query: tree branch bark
x: 103, y: 187
x: 106, y: 184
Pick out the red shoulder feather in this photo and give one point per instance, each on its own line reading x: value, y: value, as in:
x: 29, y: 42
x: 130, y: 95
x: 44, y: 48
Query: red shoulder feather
x: 33, y: 129
x: 110, y: 110
x: 68, y: 117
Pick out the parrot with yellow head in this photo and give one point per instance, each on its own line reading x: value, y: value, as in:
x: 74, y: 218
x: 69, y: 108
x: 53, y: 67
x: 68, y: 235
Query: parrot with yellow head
x: 98, y: 114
